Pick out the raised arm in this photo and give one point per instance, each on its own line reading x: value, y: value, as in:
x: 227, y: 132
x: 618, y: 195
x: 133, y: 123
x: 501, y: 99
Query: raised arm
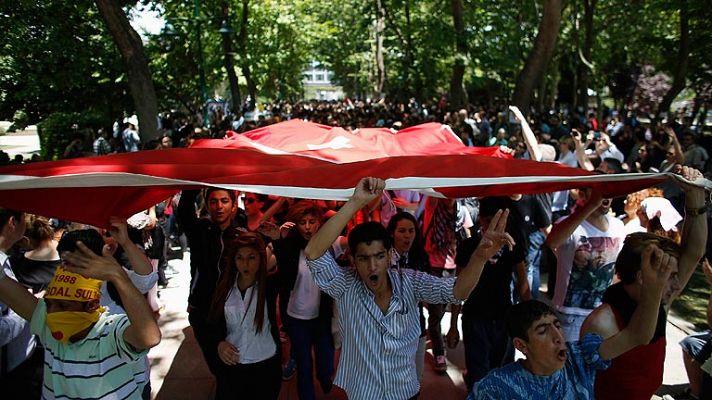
x: 562, y: 231
x: 273, y: 209
x: 138, y: 260
x: 16, y: 297
x: 143, y: 333
x: 493, y: 239
x: 366, y: 190
x: 679, y: 154
x: 694, y: 229
x: 580, y: 151
x: 186, y: 215
x: 655, y: 270
x: 527, y: 134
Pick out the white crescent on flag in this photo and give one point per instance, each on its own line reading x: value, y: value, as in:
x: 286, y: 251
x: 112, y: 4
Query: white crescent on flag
x: 295, y: 159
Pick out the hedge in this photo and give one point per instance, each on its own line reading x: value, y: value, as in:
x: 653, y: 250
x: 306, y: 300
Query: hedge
x: 56, y: 131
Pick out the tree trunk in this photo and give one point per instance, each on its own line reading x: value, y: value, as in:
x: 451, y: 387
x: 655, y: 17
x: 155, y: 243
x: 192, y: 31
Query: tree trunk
x: 408, y: 58
x: 244, y: 63
x: 380, y: 24
x: 139, y: 75
x: 458, y: 96
x: 229, y: 65
x: 539, y: 56
x: 683, y: 57
x: 696, y: 106
x: 585, y: 52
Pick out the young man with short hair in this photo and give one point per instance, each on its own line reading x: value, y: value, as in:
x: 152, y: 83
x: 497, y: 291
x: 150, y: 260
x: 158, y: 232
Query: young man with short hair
x: 378, y: 305
x: 88, y: 353
x: 556, y: 369
x: 205, y: 238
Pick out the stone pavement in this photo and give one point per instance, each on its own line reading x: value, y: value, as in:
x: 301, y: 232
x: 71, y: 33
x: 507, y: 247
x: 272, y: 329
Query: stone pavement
x: 179, y: 372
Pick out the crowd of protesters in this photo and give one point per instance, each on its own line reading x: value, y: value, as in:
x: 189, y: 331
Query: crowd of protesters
x: 281, y: 284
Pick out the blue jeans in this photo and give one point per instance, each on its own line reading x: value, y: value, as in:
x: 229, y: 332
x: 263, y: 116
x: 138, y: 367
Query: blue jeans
x: 304, y: 335
x: 536, y: 240
x: 487, y: 347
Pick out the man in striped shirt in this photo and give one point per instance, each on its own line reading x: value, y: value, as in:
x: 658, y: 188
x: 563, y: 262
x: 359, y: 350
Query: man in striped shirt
x: 88, y: 354
x: 378, y: 306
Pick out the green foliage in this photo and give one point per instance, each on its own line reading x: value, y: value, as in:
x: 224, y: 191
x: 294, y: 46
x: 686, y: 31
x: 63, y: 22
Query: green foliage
x: 58, y: 129
x: 57, y: 56
x: 692, y: 303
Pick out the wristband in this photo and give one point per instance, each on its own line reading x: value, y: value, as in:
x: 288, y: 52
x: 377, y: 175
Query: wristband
x: 693, y: 212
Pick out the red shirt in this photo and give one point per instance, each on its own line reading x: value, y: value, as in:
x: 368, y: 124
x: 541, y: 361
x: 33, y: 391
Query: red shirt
x: 635, y: 374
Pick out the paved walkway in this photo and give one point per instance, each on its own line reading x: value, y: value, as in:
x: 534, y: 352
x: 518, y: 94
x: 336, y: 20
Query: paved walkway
x: 24, y: 142
x: 179, y: 372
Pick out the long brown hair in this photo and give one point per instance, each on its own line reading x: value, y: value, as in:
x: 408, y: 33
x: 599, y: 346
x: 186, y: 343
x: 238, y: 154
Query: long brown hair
x: 233, y: 243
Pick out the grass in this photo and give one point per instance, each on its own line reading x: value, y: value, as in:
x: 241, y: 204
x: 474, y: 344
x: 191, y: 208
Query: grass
x: 692, y: 303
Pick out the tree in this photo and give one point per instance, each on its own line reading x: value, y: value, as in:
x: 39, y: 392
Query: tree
x: 539, y: 56
x: 379, y: 23
x: 585, y: 64
x: 458, y: 96
x: 227, y: 54
x: 242, y: 45
x: 50, y: 64
x: 683, y: 56
x: 139, y: 75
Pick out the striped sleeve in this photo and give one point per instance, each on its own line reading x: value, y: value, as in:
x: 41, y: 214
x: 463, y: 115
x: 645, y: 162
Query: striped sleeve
x: 328, y: 275
x: 124, y: 350
x: 433, y: 290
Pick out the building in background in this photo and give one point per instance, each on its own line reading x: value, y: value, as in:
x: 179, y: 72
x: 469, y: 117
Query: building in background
x: 317, y: 84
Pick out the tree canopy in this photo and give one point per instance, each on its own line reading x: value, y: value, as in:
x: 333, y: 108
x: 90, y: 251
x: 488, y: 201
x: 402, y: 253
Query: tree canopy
x: 60, y: 56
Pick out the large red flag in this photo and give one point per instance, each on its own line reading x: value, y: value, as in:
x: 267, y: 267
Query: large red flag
x: 295, y: 159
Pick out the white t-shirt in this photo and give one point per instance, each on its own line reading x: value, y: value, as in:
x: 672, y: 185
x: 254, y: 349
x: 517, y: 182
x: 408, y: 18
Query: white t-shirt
x: 241, y: 333
x: 585, y: 266
x: 305, y: 297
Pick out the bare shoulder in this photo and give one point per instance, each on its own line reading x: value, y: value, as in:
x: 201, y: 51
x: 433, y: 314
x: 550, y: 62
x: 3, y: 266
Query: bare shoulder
x: 602, y: 321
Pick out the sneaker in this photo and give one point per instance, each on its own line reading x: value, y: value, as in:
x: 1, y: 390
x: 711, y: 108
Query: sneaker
x: 289, y: 370
x: 440, y: 364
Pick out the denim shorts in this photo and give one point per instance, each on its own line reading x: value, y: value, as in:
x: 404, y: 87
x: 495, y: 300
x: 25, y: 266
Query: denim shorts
x: 698, y: 346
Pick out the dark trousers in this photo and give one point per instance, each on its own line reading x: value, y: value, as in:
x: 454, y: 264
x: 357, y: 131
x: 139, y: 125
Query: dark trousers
x: 305, y: 335
x: 198, y: 321
x: 435, y: 315
x: 487, y: 346
x: 262, y: 380
x: 25, y: 381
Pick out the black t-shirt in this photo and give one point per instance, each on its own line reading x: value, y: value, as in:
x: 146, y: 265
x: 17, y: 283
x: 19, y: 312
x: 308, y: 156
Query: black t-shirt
x: 535, y: 211
x: 492, y: 296
x: 33, y: 274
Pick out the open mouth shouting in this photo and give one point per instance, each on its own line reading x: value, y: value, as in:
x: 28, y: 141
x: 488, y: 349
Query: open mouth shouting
x: 373, y: 280
x: 561, y: 355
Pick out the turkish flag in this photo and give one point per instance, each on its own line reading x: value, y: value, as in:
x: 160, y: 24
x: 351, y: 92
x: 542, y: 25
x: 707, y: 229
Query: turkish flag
x: 295, y: 159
